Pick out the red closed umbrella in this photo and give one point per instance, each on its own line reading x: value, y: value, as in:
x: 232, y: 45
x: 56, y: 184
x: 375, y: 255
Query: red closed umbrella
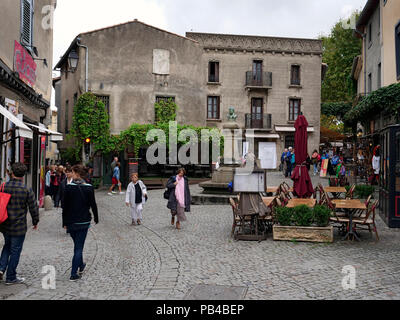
x: 302, y: 185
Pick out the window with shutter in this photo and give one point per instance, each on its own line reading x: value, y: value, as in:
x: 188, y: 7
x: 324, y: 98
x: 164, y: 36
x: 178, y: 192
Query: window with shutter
x: 26, y: 22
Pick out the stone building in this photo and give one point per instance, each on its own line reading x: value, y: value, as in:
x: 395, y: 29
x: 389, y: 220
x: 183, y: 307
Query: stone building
x: 26, y: 57
x: 378, y: 65
x: 269, y: 81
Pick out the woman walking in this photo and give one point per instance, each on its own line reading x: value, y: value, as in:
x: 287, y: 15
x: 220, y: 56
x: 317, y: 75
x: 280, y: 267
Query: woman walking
x: 179, y: 197
x: 135, y: 198
x: 78, y: 199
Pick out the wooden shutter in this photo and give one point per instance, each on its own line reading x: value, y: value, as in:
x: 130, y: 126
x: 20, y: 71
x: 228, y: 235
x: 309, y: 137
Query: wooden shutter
x: 26, y: 22
x: 216, y: 71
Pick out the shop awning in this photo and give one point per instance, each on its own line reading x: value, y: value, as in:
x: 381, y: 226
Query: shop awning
x: 22, y: 130
x: 290, y: 129
x: 263, y: 135
x: 54, y: 136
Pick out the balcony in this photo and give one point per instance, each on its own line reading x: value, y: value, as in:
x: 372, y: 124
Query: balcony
x: 262, y: 80
x: 258, y: 121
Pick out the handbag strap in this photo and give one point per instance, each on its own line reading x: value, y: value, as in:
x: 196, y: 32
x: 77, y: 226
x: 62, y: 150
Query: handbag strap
x: 2, y: 187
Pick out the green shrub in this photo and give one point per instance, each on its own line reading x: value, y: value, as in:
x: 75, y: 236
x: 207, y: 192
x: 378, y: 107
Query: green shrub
x: 302, y: 216
x: 364, y: 191
x: 321, y: 215
x: 284, y: 216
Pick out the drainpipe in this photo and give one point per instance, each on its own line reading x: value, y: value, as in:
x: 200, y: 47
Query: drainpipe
x: 86, y: 63
x: 78, y: 40
x: 364, y: 36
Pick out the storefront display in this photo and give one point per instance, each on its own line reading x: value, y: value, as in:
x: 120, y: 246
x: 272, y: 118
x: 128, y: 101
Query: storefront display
x: 389, y: 187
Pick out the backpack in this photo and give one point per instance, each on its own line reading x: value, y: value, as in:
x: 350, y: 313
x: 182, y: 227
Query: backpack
x: 166, y: 194
x: 4, y: 199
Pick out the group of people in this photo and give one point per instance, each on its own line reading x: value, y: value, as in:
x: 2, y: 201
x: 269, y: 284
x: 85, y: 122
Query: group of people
x: 335, y: 166
x: 77, y: 199
x: 55, y: 180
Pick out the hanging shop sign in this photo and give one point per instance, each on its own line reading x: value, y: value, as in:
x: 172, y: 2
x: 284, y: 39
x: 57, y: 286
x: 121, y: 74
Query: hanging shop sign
x: 24, y: 65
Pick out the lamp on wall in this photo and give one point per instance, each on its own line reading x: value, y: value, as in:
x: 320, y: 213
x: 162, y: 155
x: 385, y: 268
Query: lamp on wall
x: 44, y: 61
x: 73, y: 59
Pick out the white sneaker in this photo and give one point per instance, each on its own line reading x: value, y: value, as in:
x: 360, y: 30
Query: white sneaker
x: 18, y: 280
x: 110, y: 194
x: 113, y: 192
x: 122, y: 193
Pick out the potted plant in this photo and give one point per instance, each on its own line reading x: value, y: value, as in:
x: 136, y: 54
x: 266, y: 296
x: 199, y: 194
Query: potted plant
x: 303, y: 224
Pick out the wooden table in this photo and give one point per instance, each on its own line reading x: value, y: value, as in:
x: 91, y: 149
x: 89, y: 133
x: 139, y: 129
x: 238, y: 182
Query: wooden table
x: 336, y: 191
x: 268, y: 200
x: 349, y: 207
x: 272, y: 189
x: 298, y: 202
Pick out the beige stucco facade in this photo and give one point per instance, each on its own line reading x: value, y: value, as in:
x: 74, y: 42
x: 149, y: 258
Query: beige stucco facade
x: 235, y: 54
x: 26, y: 40
x: 390, y: 19
x: 10, y: 31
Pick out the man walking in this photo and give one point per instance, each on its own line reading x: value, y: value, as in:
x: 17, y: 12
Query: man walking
x: 113, y: 165
x: 15, y: 227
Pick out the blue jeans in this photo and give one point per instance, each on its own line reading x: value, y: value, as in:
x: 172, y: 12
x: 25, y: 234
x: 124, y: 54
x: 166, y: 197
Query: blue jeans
x: 10, y: 255
x: 315, y: 168
x: 78, y: 235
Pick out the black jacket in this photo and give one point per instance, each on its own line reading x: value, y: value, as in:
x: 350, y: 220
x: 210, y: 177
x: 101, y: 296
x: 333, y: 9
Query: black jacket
x: 172, y: 203
x: 78, y: 199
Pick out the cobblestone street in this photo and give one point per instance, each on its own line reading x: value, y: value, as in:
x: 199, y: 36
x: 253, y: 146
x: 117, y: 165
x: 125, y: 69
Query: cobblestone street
x: 156, y: 261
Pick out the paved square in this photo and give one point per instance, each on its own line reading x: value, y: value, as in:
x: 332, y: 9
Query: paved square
x: 156, y: 261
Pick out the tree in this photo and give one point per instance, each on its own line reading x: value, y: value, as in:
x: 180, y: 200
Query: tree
x: 339, y: 50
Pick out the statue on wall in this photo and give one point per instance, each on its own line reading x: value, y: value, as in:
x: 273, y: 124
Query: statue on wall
x: 232, y: 116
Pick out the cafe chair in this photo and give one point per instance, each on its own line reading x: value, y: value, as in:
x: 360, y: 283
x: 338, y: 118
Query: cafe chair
x: 339, y: 221
x: 238, y: 220
x: 236, y: 217
x: 368, y: 220
x: 350, y: 193
x: 361, y: 213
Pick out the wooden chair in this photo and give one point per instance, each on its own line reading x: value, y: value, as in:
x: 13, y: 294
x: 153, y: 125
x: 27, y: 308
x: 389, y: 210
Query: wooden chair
x: 284, y: 188
x: 368, y: 220
x: 339, y: 221
x: 358, y: 212
x: 350, y: 193
x: 237, y: 221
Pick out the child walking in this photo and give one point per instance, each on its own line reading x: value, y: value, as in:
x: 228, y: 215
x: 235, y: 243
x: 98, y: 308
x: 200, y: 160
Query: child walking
x: 116, y: 179
x: 136, y: 195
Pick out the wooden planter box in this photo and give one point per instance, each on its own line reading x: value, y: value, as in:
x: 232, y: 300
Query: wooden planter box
x: 309, y: 234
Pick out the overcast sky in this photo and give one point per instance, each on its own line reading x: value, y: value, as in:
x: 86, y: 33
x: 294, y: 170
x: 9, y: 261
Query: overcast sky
x: 286, y: 18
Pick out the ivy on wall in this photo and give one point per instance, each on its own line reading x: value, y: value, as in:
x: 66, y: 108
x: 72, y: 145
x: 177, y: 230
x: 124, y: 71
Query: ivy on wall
x: 385, y: 99
x: 90, y: 120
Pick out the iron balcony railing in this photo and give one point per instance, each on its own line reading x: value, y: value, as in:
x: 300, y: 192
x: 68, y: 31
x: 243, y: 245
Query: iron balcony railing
x: 259, y: 79
x: 258, y: 121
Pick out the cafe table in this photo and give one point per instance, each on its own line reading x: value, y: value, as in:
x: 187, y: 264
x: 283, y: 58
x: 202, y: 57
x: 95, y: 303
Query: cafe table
x: 298, y: 202
x: 335, y: 191
x: 268, y: 200
x: 272, y: 189
x: 350, y: 206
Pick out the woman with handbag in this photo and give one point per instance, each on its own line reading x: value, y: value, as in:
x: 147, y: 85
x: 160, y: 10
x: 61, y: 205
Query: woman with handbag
x: 179, y: 197
x: 136, y: 196
x: 78, y: 199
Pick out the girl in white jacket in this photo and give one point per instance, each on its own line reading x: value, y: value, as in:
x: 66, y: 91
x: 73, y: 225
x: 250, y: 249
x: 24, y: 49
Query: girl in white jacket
x: 136, y: 195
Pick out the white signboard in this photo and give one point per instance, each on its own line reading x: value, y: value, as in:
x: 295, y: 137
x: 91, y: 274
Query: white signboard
x: 160, y: 61
x: 254, y: 182
x: 267, y: 155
